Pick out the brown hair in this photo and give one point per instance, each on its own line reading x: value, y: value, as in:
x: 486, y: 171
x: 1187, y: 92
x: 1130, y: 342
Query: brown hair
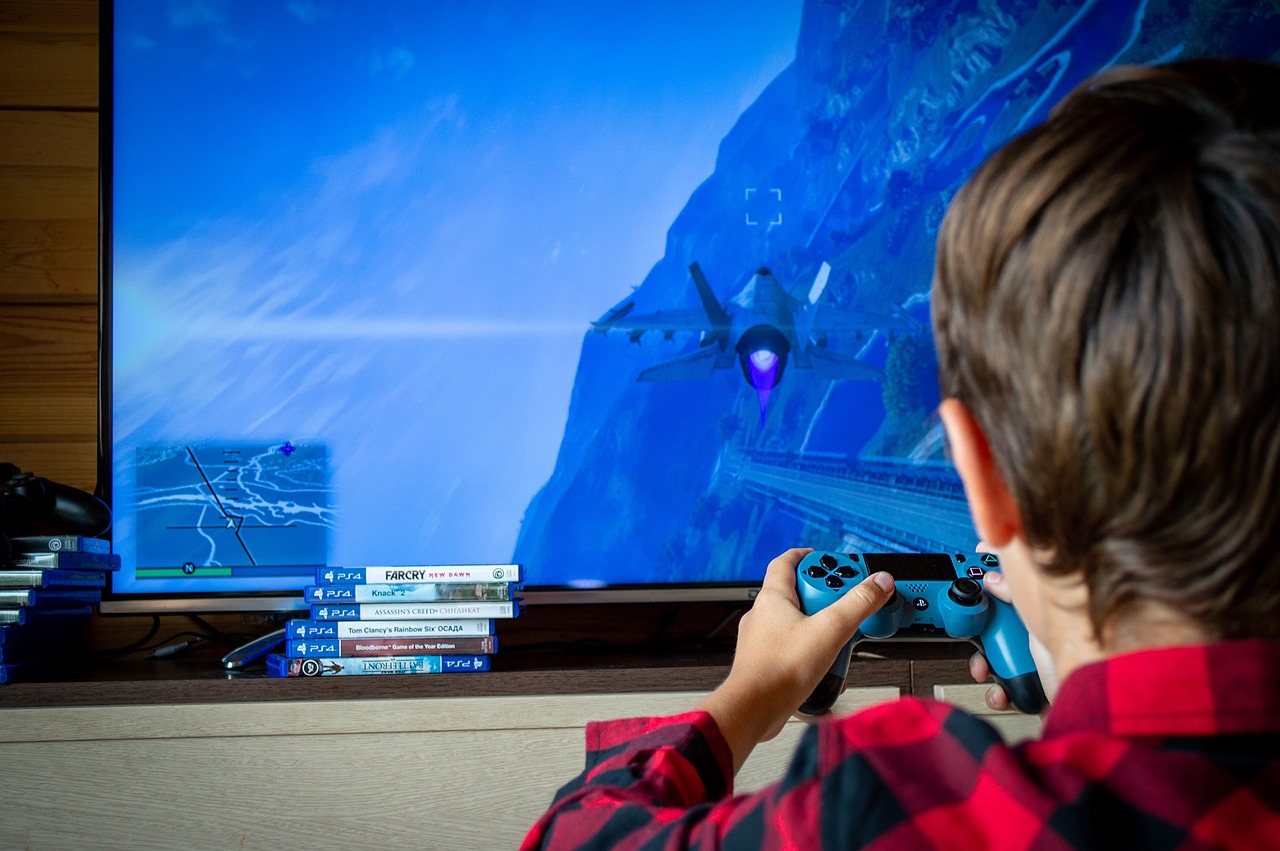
x: 1107, y: 304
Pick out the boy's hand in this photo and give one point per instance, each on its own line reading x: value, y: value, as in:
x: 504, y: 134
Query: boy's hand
x: 993, y: 583
x: 979, y: 668
x: 782, y: 654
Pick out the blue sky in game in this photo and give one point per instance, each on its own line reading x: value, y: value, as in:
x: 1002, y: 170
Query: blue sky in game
x: 552, y: 144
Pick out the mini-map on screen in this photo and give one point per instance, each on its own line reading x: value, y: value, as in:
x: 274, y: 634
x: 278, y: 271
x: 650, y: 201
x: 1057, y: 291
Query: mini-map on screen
x: 223, y: 509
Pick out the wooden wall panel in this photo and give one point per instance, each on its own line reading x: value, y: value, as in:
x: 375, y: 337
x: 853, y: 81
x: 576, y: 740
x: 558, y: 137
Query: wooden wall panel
x: 49, y: 373
x: 49, y: 351
x: 49, y: 237
x: 48, y: 206
x: 42, y: 193
x: 49, y: 261
x: 33, y: 16
x: 49, y: 69
x: 42, y: 138
x: 74, y: 464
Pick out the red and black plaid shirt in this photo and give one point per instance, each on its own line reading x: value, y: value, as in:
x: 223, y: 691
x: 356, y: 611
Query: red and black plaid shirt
x: 1171, y: 748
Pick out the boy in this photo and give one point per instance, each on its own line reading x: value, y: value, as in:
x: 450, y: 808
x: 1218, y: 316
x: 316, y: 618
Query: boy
x: 1107, y: 312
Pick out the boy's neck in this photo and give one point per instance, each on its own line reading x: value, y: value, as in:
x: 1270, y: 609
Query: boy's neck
x: 1150, y: 625
x: 1071, y: 643
x: 1056, y: 610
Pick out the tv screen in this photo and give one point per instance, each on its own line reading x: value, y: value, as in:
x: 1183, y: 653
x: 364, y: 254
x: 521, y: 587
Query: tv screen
x: 633, y: 296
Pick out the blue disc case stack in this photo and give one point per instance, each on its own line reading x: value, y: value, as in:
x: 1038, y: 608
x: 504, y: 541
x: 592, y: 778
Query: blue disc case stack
x: 430, y: 619
x: 49, y: 585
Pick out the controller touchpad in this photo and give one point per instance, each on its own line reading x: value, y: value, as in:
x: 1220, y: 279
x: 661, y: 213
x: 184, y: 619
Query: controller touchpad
x: 912, y: 567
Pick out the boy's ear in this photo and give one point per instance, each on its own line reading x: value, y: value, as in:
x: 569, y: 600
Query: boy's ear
x: 995, y: 516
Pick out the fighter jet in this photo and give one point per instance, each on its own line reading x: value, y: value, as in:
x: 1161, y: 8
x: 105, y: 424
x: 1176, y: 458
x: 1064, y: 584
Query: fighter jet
x: 763, y: 328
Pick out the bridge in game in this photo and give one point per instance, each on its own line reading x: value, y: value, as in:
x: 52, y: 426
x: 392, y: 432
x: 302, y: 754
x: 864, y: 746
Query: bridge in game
x: 885, y: 504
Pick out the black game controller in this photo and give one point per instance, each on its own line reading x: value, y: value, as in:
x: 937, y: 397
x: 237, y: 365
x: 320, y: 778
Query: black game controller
x: 30, y: 505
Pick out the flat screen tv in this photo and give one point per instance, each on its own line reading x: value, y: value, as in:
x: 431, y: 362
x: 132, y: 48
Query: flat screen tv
x: 633, y: 295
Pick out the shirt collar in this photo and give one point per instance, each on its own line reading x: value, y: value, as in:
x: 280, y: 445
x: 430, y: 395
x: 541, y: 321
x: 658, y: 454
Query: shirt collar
x: 1232, y: 687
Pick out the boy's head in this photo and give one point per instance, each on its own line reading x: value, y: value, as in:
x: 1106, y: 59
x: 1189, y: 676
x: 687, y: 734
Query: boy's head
x: 1107, y: 306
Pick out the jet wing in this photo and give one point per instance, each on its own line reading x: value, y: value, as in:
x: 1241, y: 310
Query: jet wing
x: 614, y: 314
x: 835, y: 319
x: 667, y: 322
x: 831, y: 366
x: 687, y: 368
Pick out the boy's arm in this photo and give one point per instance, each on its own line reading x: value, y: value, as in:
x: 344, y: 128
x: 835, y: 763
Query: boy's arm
x: 666, y: 781
x: 782, y: 654
x: 646, y: 781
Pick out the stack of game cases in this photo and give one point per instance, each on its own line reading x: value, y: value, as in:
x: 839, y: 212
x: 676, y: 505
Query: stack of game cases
x: 49, y: 585
x: 399, y: 620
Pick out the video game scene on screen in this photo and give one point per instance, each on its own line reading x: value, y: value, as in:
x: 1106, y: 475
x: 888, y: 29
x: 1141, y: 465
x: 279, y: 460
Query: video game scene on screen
x: 664, y: 314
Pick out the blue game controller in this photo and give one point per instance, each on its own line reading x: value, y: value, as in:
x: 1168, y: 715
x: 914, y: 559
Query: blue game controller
x: 938, y: 597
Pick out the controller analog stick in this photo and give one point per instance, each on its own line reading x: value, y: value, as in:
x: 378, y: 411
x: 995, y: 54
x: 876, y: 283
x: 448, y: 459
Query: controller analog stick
x: 965, y: 592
